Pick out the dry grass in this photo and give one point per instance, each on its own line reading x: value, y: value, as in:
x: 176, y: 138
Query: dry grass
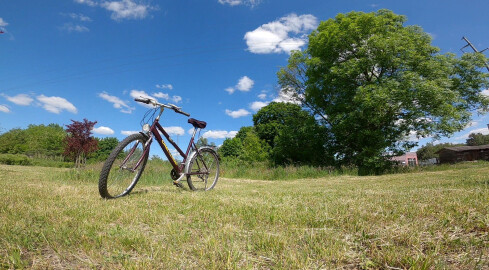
x: 426, y: 220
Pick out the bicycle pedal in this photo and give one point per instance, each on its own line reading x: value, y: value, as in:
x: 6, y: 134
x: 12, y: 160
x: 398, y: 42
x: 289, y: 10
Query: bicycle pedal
x: 178, y: 184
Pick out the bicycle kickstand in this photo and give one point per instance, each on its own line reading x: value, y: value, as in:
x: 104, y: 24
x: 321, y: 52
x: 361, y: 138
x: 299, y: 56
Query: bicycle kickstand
x: 177, y: 182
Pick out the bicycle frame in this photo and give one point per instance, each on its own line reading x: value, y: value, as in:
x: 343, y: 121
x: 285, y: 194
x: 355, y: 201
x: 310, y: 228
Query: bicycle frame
x: 155, y: 130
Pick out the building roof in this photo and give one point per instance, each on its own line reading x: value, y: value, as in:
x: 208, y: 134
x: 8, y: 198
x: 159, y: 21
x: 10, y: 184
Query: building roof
x: 466, y: 148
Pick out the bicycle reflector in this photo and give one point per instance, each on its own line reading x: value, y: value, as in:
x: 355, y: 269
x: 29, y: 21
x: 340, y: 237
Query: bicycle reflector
x: 146, y: 128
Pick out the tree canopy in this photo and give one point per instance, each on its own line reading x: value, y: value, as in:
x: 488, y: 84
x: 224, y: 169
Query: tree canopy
x: 477, y: 139
x: 80, y: 142
x: 283, y: 133
x: 105, y: 147
x: 246, y: 146
x: 36, y: 140
x: 293, y: 134
x: 375, y: 82
x: 430, y: 150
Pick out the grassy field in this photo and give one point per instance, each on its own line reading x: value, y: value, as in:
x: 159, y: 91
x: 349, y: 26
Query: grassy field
x: 54, y: 218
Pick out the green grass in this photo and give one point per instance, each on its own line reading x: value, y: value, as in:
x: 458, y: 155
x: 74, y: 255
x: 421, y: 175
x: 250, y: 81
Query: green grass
x: 235, y: 168
x: 54, y: 218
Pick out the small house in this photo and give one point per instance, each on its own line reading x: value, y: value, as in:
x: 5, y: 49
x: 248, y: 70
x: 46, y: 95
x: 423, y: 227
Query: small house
x: 408, y: 159
x: 463, y: 153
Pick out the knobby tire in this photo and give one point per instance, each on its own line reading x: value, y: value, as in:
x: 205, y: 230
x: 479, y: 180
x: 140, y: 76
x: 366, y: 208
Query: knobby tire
x: 116, y: 180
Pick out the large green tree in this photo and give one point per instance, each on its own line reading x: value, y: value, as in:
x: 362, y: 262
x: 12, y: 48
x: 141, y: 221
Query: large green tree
x: 293, y: 135
x: 477, y: 139
x: 376, y: 81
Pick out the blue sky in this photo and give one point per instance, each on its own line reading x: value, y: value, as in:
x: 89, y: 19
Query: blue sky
x: 217, y: 59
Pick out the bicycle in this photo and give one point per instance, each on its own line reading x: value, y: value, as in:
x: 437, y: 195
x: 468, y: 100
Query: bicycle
x: 126, y: 163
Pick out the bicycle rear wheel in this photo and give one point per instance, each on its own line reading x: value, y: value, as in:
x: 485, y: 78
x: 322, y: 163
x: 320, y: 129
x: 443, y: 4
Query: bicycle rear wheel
x: 203, y: 170
x: 123, y: 168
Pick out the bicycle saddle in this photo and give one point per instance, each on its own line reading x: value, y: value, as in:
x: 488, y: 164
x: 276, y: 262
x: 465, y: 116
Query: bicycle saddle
x: 196, y: 123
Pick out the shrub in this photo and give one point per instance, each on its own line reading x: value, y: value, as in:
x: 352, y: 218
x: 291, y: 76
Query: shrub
x: 11, y: 159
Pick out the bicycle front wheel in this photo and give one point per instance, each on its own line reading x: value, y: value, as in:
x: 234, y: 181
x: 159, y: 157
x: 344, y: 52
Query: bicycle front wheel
x: 123, y: 168
x: 203, y: 170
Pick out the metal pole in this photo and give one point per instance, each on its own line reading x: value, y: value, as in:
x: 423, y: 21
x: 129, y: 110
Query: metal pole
x: 474, y: 48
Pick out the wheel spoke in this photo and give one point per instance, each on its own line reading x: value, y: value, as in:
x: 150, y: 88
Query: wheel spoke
x: 204, y: 170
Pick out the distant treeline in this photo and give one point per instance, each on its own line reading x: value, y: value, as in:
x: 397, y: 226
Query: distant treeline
x: 285, y: 134
x: 48, y: 141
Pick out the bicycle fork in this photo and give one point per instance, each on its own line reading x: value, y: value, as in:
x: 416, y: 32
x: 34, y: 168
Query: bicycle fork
x: 146, y: 152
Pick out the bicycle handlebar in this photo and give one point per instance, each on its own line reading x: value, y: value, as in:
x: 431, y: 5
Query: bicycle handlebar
x: 169, y: 106
x: 146, y: 100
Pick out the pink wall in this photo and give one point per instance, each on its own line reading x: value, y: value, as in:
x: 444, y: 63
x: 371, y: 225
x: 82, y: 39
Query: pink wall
x: 404, y: 159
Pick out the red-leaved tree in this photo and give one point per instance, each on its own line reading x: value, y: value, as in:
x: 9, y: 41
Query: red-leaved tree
x: 79, y: 142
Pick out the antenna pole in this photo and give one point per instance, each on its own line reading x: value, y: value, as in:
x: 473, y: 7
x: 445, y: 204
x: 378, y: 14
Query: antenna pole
x: 474, y: 48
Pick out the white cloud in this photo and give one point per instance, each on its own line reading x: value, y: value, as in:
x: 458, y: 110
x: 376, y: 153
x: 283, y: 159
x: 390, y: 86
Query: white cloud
x: 78, y: 17
x: 122, y: 9
x: 86, y: 2
x: 413, y: 136
x: 126, y: 9
x: 174, y: 153
x: 175, y: 131
x: 471, y: 124
x: 161, y: 95
x: 230, y: 90
x: 164, y: 86
x: 4, y: 108
x: 103, y: 130
x: 262, y: 96
x: 485, y: 92
x: 128, y: 132
x: 274, y: 37
x: 176, y: 99
x: 219, y: 134
x: 286, y: 97
x: 20, y: 99
x: 484, y: 131
x: 3, y: 23
x: 257, y: 105
x: 56, y: 104
x: 118, y: 103
x: 140, y: 94
x: 251, y: 3
x: 165, y: 96
x: 244, y: 84
x: 238, y: 113
x: 70, y: 27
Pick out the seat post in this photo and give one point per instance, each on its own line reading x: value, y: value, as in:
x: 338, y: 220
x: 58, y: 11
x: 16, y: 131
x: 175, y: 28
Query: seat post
x: 195, y: 131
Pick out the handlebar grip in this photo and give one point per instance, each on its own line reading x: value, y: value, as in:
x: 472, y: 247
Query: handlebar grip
x: 182, y: 112
x: 145, y: 100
